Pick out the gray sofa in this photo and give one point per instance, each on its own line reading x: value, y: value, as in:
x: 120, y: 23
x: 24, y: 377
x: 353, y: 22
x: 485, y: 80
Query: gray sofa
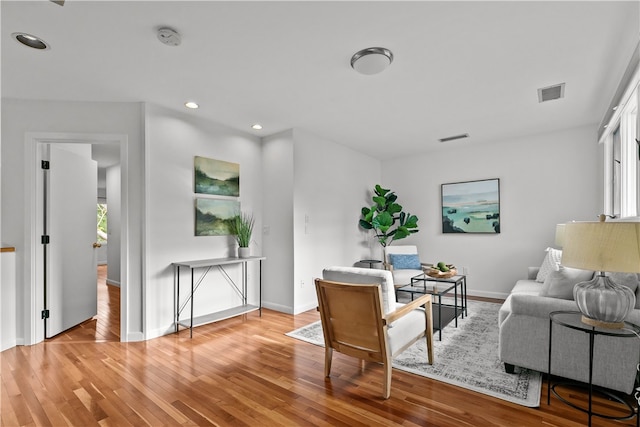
x: 524, y: 335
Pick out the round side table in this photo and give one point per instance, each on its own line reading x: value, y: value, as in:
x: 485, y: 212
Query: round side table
x: 572, y: 320
x: 370, y: 262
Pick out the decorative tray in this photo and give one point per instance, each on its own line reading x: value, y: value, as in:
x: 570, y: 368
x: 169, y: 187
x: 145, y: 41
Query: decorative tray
x: 432, y: 272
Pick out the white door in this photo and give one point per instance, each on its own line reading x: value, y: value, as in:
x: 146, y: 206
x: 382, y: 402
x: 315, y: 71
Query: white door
x: 71, y: 276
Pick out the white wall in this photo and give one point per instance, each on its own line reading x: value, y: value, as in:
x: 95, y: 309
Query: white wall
x: 8, y: 337
x: 332, y: 183
x: 314, y: 191
x: 172, y: 142
x: 22, y: 116
x: 114, y: 228
x: 278, y: 176
x: 544, y: 180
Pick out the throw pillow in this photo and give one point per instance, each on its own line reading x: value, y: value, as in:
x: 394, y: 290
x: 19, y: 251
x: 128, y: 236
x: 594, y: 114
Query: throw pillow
x: 405, y: 261
x: 631, y: 280
x: 559, y: 284
x: 550, y: 263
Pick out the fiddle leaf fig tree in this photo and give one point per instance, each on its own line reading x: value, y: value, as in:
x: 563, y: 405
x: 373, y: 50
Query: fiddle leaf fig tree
x: 387, y: 219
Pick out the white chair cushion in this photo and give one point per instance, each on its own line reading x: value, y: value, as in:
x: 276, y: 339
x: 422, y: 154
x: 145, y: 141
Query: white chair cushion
x: 403, y: 277
x: 363, y: 276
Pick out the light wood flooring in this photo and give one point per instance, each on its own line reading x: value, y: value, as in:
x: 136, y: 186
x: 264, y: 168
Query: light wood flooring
x: 241, y: 371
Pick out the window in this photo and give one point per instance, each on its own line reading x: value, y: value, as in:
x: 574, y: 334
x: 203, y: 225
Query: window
x: 622, y: 171
x: 102, y: 223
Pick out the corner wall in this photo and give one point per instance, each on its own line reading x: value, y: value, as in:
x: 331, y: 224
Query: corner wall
x: 314, y: 190
x: 544, y: 180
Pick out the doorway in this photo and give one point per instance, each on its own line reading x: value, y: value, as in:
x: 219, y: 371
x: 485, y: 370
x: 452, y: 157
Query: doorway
x: 34, y: 271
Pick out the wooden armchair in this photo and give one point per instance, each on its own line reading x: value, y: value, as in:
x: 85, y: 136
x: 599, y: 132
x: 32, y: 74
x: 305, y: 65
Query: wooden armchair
x: 354, y: 323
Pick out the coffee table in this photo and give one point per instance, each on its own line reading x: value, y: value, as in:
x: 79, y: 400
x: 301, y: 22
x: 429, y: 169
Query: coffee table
x: 439, y: 287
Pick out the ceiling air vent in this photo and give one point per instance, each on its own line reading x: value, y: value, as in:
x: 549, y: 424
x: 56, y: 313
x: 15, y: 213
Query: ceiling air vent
x: 453, y: 138
x: 551, y: 92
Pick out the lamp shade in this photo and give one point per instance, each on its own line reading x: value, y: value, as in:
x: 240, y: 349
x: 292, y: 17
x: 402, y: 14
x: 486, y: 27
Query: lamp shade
x: 602, y: 246
x: 559, y: 235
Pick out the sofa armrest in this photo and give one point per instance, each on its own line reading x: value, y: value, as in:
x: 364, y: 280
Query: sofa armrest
x: 532, y: 273
x: 536, y: 306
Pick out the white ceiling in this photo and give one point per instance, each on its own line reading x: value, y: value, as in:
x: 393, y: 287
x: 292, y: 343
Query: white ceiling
x: 459, y: 67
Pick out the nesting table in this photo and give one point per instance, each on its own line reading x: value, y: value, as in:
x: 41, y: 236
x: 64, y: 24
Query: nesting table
x: 439, y: 287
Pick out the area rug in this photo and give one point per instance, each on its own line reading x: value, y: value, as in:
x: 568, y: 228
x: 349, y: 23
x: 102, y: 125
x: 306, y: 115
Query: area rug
x: 466, y: 357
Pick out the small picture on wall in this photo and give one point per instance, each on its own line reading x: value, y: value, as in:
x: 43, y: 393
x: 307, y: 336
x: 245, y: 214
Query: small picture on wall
x: 471, y: 207
x: 214, y: 217
x: 216, y: 177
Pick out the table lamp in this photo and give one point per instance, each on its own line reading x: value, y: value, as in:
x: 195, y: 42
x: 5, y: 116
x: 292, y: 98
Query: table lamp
x: 559, y: 235
x: 603, y: 247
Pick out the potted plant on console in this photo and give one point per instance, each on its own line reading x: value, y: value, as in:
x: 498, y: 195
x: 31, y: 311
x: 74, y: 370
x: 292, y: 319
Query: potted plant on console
x: 242, y: 229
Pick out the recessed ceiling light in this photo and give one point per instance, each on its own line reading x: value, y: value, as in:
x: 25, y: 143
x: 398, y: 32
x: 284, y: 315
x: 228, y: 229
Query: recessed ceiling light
x: 257, y: 126
x: 191, y: 105
x: 615, y: 108
x: 31, y: 41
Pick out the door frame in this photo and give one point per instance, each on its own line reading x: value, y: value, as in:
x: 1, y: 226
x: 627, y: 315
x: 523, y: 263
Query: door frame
x: 33, y: 256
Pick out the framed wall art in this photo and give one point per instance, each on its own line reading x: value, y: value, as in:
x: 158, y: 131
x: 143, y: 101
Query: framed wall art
x: 471, y: 207
x: 216, y: 177
x: 214, y: 217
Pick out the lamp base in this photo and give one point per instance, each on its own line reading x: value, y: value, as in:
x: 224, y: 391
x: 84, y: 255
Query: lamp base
x: 601, y: 324
x: 602, y: 302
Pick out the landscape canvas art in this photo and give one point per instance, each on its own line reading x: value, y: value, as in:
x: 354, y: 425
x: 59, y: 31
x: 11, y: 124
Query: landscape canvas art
x: 216, y: 177
x: 214, y: 217
x: 471, y: 207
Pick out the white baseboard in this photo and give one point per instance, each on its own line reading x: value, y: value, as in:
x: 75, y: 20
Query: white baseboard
x: 135, y: 336
x: 485, y: 294
x: 277, y: 307
x: 113, y: 283
x: 310, y: 306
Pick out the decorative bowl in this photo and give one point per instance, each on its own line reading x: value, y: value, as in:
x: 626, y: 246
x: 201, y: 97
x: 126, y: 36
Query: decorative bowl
x: 434, y: 272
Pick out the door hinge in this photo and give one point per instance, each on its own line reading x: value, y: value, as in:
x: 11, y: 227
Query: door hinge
x: 45, y: 240
x: 45, y: 164
x: 45, y: 314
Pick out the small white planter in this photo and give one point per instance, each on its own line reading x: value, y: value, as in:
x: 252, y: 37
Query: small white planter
x: 244, y: 252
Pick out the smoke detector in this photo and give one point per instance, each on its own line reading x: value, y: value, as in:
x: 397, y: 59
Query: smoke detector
x: 169, y: 36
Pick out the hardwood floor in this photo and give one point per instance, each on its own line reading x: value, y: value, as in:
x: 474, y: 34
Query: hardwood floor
x: 105, y: 326
x: 241, y: 371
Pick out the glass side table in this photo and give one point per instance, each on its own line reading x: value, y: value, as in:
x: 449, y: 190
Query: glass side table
x: 572, y: 320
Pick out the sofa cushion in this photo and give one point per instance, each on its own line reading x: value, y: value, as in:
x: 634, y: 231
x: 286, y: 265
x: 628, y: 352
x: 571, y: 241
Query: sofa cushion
x: 527, y: 287
x: 631, y: 280
x: 550, y: 263
x: 559, y: 284
x: 405, y: 261
x: 403, y: 277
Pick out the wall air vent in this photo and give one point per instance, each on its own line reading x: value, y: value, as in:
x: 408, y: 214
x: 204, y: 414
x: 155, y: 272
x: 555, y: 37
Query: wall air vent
x: 453, y: 138
x: 551, y: 92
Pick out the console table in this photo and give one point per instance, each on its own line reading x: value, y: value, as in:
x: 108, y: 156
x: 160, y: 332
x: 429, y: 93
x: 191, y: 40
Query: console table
x: 206, y: 265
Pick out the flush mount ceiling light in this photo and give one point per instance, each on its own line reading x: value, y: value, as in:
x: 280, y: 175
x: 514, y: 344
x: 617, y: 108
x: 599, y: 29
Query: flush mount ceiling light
x: 372, y: 60
x: 257, y: 126
x: 31, y: 41
x: 191, y: 105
